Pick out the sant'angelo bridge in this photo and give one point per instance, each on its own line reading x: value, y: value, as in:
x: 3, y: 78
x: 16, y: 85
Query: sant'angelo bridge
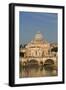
x: 39, y: 61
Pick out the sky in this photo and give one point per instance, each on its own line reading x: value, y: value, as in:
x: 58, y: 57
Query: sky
x: 32, y: 22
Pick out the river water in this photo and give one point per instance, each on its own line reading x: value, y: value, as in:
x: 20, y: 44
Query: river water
x: 37, y: 72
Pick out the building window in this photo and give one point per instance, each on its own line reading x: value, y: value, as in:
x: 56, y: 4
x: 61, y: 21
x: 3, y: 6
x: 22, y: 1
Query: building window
x: 42, y: 53
x: 36, y: 53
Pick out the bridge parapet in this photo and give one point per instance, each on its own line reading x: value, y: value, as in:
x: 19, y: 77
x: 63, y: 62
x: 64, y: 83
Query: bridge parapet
x: 39, y: 60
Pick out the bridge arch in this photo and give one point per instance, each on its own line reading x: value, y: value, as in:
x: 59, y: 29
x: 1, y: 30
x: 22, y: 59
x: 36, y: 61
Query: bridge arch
x: 49, y: 62
x: 33, y: 62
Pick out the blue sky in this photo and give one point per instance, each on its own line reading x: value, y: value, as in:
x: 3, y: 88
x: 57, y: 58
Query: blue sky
x: 32, y: 22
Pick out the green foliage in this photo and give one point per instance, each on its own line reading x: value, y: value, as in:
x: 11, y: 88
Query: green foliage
x: 23, y: 46
x: 54, y: 49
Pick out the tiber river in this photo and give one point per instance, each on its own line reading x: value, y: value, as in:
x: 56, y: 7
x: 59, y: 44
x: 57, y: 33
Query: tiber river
x: 37, y: 72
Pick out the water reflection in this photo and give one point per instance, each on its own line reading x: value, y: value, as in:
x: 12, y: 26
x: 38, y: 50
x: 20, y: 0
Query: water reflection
x: 37, y: 71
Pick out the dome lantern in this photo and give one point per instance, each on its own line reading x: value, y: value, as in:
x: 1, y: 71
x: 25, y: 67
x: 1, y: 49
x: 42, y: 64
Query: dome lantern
x: 38, y: 36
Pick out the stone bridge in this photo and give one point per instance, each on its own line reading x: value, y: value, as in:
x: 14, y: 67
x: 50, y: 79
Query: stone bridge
x: 43, y: 60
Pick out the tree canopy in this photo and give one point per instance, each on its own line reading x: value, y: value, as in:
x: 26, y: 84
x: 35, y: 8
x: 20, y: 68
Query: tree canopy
x: 54, y: 49
x: 23, y: 46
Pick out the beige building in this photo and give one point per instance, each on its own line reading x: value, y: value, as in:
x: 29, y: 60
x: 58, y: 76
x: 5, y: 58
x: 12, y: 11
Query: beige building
x: 38, y: 48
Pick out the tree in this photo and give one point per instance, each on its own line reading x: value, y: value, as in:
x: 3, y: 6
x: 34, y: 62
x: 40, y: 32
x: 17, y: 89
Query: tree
x: 21, y: 46
x: 24, y: 45
x: 54, y: 49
